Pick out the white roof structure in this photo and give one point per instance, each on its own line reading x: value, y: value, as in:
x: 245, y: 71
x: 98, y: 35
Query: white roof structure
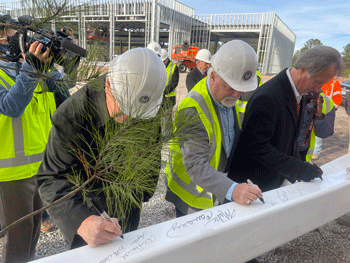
x: 169, y: 22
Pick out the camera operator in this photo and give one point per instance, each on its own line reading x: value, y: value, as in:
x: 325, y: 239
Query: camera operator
x: 25, y: 112
x: 318, y: 121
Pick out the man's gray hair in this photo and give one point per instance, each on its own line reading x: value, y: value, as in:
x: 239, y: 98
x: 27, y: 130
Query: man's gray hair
x: 318, y: 59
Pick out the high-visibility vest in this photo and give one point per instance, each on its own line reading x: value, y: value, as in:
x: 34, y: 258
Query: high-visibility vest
x: 260, y: 78
x: 24, y: 138
x: 327, y: 106
x: 178, y: 180
x: 332, y: 89
x: 170, y: 71
x: 242, y: 104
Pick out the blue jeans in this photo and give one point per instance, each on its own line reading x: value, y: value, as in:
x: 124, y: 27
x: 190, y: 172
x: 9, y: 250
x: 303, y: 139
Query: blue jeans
x: 318, y: 145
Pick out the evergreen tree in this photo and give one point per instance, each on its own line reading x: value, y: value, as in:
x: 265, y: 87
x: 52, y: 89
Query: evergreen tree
x: 308, y: 45
x: 346, y: 59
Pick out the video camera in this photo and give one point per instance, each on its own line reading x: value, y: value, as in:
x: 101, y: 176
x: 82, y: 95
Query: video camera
x: 311, y: 100
x: 65, y: 53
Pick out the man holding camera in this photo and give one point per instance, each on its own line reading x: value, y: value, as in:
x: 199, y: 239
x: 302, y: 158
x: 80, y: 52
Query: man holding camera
x: 25, y: 112
x: 268, y: 143
x: 318, y: 121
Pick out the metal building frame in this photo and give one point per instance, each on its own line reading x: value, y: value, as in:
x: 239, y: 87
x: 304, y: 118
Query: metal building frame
x: 169, y: 22
x: 272, y: 40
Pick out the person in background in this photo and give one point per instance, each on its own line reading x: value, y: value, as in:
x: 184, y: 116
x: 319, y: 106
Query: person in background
x: 347, y: 110
x: 197, y: 159
x: 172, y: 81
x: 331, y: 89
x: 132, y: 91
x: 271, y: 125
x: 71, y: 34
x: 241, y: 103
x: 155, y: 47
x: 169, y: 99
x: 203, y: 60
x: 318, y: 121
x: 25, y: 121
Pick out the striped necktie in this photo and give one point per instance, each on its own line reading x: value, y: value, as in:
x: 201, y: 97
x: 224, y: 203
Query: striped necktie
x: 298, y: 110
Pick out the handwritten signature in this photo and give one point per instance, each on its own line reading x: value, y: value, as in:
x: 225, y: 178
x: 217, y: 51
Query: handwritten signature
x: 207, y: 217
x: 124, y: 252
x: 139, y: 243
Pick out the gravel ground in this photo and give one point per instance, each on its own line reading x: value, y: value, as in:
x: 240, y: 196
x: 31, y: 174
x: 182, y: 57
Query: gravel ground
x: 330, y: 243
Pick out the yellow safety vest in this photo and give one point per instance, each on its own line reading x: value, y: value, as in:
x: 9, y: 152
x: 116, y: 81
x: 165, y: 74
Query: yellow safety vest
x: 170, y: 71
x: 242, y: 104
x: 327, y: 106
x: 259, y: 75
x: 24, y: 138
x: 178, y: 180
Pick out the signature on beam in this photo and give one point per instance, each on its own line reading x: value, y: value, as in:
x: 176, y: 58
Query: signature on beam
x: 140, y: 243
x: 206, y: 218
x: 283, y: 194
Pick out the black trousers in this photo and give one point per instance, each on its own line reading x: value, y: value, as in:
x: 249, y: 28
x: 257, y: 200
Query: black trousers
x: 17, y: 199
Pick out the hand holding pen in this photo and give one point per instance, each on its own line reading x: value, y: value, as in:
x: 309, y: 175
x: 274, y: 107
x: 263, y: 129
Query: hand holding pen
x: 103, y: 213
x: 96, y: 230
x: 245, y: 194
x: 251, y: 183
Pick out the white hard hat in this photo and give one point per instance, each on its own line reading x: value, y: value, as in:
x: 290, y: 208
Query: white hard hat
x: 236, y: 63
x: 204, y: 55
x: 138, y: 80
x: 155, y: 47
x: 164, y: 55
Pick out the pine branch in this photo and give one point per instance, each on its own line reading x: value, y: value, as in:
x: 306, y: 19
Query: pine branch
x: 82, y: 159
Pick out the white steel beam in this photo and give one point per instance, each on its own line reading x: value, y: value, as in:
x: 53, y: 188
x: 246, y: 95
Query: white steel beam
x: 231, y: 232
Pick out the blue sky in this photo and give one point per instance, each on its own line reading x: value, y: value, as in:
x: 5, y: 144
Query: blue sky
x: 328, y: 21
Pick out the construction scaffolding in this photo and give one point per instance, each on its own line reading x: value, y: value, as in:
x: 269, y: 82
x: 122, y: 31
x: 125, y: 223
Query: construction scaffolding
x: 123, y: 24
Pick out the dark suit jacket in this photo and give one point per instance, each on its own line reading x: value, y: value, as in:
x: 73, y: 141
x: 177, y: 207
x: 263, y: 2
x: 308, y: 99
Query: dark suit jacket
x: 267, y: 150
x: 193, y: 78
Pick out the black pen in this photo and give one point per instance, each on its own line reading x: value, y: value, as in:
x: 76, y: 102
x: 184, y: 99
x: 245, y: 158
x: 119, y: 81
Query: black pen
x: 251, y: 183
x: 103, y: 213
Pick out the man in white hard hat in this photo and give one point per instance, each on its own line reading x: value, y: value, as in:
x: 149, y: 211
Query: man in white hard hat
x: 125, y: 102
x: 203, y: 60
x: 198, y: 158
x: 154, y: 46
x: 172, y: 81
x: 274, y: 117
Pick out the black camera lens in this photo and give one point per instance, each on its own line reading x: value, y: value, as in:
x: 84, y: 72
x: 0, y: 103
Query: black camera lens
x: 311, y: 108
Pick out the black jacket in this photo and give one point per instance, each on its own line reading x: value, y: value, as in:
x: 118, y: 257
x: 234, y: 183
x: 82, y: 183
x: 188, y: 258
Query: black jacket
x: 267, y: 150
x: 77, y: 127
x: 193, y: 78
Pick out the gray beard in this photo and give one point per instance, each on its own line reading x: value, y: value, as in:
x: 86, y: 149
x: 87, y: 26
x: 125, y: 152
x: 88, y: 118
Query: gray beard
x: 228, y: 103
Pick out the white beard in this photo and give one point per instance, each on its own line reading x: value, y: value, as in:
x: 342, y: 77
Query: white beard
x: 229, y: 102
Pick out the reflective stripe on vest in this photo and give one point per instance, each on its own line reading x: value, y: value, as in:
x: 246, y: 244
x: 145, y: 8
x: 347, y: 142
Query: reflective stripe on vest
x: 327, y: 106
x: 170, y: 71
x: 178, y: 180
x: 240, y: 110
x: 259, y: 75
x: 21, y: 154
